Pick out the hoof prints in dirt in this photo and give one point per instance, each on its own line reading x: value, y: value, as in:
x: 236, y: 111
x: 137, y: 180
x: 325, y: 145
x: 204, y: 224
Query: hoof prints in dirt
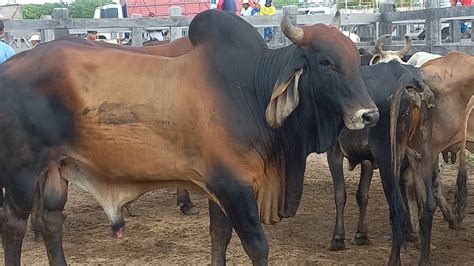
x: 163, y: 235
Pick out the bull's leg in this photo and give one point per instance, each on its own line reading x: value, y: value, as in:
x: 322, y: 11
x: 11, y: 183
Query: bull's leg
x: 1, y: 195
x: 221, y: 233
x: 335, y: 159
x: 439, y: 195
x: 184, y: 202
x: 362, y: 196
x: 408, y: 190
x: 1, y: 191
x: 238, y: 201
x: 429, y: 206
x: 17, y: 206
x: 380, y: 149
x: 51, y: 196
x: 426, y: 223
x: 395, y: 203
x: 35, y: 218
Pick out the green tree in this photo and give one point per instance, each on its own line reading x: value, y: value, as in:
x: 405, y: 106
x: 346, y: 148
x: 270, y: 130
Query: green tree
x: 281, y: 3
x: 32, y: 11
x: 85, y: 8
x: 78, y: 9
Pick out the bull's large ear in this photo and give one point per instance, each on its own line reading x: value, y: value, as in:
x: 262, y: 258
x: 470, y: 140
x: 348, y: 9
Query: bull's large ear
x: 375, y: 59
x: 285, y: 98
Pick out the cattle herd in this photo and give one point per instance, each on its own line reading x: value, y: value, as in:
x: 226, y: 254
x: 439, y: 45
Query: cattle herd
x: 220, y: 113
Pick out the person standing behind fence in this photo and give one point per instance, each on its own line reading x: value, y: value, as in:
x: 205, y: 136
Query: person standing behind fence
x: 246, y: 10
x: 5, y: 50
x: 34, y: 40
x: 91, y: 35
x: 225, y: 5
x: 268, y: 9
x: 229, y: 6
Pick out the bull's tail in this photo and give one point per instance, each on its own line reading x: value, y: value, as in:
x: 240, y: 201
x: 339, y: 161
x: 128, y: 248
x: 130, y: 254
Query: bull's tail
x: 397, y: 211
x: 460, y: 195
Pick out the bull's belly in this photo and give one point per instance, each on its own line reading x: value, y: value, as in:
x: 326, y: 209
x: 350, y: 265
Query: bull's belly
x: 135, y: 153
x: 113, y: 192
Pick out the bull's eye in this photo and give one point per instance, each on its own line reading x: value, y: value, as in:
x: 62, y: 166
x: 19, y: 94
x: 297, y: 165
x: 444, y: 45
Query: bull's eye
x: 325, y: 62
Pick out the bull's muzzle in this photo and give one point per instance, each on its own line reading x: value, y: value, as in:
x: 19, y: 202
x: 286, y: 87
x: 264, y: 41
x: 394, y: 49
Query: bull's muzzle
x: 361, y: 118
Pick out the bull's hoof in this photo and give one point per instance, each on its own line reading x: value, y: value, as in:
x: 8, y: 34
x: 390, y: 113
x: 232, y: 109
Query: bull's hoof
x: 360, y: 240
x: 455, y: 226
x: 337, y: 244
x: 412, y: 237
x: 189, y: 209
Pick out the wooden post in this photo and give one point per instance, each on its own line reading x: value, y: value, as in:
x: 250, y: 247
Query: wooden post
x: 432, y: 26
x: 364, y: 32
x: 432, y: 32
x: 401, y: 30
x: 46, y: 34
x: 137, y: 38
x: 293, y: 12
x: 376, y: 32
x: 175, y: 32
x: 455, y: 30
x: 385, y: 27
x: 62, y: 14
x: 472, y: 30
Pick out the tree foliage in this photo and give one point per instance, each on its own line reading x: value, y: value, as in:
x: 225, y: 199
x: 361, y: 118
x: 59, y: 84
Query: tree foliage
x: 77, y: 9
x: 281, y: 3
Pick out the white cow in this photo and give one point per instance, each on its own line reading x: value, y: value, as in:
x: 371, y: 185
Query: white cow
x: 382, y: 56
x: 354, y: 37
x: 420, y: 58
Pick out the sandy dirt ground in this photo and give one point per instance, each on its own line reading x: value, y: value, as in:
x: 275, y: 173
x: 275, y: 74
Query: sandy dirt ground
x: 162, y: 235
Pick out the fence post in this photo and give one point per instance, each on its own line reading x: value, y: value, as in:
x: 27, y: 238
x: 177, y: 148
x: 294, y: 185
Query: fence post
x: 293, y: 12
x: 432, y: 31
x: 385, y: 27
x: 47, y: 35
x: 364, y: 32
x: 175, y: 32
x: 455, y: 30
x: 137, y: 38
x: 432, y: 26
x: 62, y: 14
x: 472, y: 30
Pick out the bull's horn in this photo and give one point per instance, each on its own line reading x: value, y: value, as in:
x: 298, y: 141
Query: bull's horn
x: 336, y: 20
x: 404, y: 51
x: 295, y: 34
x: 379, y: 45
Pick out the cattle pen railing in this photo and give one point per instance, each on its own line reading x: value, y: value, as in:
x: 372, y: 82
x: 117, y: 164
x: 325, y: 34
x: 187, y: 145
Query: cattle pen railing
x: 369, y: 27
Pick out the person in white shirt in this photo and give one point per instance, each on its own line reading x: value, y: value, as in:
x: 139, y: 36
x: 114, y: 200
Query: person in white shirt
x: 156, y: 35
x: 246, y: 9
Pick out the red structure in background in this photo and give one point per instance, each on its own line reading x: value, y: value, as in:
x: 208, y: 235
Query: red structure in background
x: 463, y: 2
x: 159, y: 8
